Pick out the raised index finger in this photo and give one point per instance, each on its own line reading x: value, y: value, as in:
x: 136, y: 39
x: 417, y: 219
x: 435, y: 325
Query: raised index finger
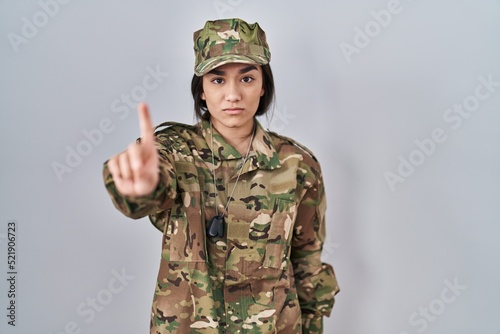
x: 146, y: 126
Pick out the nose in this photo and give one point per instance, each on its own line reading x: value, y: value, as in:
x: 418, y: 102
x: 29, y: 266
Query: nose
x: 233, y: 92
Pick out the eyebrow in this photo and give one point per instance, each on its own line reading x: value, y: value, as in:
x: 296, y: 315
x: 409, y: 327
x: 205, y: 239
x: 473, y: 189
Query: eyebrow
x: 242, y: 71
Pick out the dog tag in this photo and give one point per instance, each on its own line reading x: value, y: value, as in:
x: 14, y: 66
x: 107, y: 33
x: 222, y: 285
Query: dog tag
x: 216, y: 227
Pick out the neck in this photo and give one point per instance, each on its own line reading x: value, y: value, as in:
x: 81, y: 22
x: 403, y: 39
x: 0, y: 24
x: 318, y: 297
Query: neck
x: 238, y: 137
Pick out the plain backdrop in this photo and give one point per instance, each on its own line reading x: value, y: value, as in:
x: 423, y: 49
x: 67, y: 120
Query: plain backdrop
x: 399, y: 100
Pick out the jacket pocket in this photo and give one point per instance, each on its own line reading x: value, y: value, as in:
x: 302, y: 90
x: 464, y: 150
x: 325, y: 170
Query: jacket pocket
x: 277, y: 246
x: 183, y: 301
x: 184, y: 234
x: 184, y: 240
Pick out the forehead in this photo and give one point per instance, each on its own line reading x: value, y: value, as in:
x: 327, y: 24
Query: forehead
x: 235, y: 68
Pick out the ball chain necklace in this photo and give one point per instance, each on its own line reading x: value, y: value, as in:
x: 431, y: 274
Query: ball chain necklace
x: 215, y: 227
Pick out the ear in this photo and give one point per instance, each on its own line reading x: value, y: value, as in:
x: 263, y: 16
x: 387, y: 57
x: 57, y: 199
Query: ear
x: 262, y: 92
x: 203, y: 96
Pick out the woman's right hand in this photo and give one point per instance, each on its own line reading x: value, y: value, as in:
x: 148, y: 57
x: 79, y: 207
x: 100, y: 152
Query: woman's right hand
x: 135, y: 171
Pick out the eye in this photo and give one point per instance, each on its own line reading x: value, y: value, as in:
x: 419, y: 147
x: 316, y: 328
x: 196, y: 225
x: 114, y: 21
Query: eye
x: 247, y: 79
x: 217, y: 81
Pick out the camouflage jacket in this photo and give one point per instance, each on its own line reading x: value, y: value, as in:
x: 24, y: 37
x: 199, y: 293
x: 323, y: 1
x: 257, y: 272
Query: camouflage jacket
x: 265, y: 274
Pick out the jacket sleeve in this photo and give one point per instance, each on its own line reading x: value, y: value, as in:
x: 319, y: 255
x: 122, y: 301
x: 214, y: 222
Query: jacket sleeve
x: 315, y: 281
x: 160, y: 199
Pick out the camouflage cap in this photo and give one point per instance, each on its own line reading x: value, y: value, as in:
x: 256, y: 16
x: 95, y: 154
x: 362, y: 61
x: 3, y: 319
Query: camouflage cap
x: 229, y: 41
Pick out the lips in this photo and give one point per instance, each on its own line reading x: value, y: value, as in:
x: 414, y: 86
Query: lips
x: 233, y: 111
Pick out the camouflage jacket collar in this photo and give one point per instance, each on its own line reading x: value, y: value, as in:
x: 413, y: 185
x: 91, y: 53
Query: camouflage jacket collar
x: 263, y: 154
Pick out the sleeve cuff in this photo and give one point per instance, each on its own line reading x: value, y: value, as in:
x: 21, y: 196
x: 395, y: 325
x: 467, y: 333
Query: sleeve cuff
x: 312, y: 324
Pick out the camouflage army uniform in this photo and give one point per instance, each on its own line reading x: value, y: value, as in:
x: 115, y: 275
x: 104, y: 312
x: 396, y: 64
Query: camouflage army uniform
x: 265, y: 274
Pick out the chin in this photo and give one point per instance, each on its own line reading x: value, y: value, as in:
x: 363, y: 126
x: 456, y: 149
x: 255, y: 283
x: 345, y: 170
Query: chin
x: 234, y: 121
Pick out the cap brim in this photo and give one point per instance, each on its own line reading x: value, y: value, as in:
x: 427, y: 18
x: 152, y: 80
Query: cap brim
x: 208, y: 65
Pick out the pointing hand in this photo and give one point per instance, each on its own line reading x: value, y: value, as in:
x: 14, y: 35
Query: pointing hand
x: 135, y: 171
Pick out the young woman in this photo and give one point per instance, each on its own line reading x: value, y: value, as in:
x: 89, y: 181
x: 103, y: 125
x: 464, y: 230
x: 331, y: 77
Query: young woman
x: 241, y: 209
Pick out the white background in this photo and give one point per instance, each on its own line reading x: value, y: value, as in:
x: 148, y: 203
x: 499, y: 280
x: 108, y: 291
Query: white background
x: 395, y: 250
